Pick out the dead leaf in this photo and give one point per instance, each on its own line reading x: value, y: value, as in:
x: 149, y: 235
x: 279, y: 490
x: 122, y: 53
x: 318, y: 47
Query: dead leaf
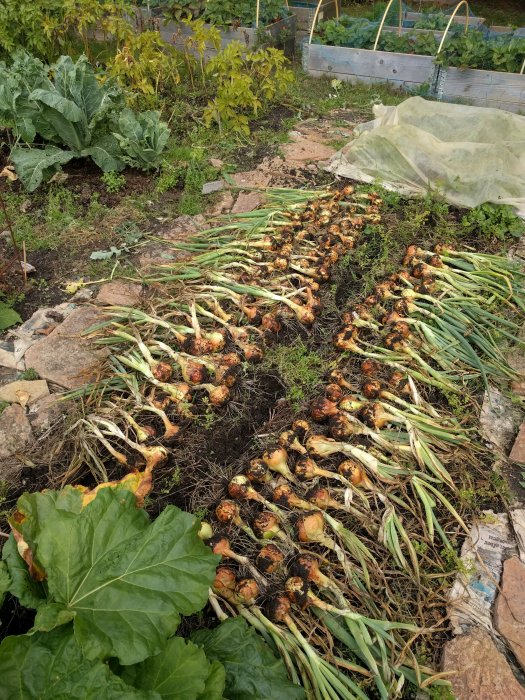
x: 9, y: 173
x: 23, y: 397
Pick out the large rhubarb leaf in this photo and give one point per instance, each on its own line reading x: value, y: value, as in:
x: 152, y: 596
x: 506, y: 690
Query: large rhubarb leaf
x: 180, y: 672
x: 36, y: 164
x: 30, y: 593
x: 123, y: 580
x: 51, y: 667
x: 253, y: 672
x: 5, y: 581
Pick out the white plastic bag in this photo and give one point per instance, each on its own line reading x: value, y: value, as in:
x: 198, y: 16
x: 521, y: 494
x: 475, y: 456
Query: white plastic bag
x: 470, y: 155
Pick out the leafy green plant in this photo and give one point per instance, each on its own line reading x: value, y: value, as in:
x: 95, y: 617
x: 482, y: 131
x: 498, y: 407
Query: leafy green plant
x: 8, y: 316
x: 181, y: 9
x: 113, y: 182
x: 146, y: 65
x: 243, y: 12
x: 245, y: 82
x: 142, y: 138
x: 359, y: 33
x: 472, y: 50
x: 73, y: 109
x: 47, y: 27
x: 494, y: 220
x: 252, y: 671
x: 109, y: 588
x: 432, y: 20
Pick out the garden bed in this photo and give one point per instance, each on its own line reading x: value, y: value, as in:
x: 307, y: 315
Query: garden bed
x: 408, y: 71
x: 305, y: 12
x: 483, y: 88
x: 178, y: 34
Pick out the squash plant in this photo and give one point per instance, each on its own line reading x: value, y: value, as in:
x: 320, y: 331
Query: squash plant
x: 109, y: 587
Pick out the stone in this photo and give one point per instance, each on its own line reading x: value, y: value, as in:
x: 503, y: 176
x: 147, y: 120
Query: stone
x: 154, y: 254
x: 8, y: 359
x: 64, y: 357
x: 15, y: 433
x: 216, y: 163
x: 46, y: 412
x: 481, y: 672
x: 223, y: 205
x: 215, y: 186
x: 517, y: 454
x: 43, y: 320
x: 119, y: 294
x: 247, y: 201
x: 183, y: 227
x: 499, y: 419
x: 517, y: 516
x: 68, y: 362
x: 84, y: 294
x: 251, y: 178
x: 24, y: 392
x: 509, y: 611
x: 78, y: 321
x: 304, y: 149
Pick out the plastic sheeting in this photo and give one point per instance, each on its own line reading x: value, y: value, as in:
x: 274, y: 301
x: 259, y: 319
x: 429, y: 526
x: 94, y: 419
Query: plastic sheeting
x: 469, y: 155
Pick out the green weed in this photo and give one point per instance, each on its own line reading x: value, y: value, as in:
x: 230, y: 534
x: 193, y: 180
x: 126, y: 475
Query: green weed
x: 300, y: 368
x: 113, y: 181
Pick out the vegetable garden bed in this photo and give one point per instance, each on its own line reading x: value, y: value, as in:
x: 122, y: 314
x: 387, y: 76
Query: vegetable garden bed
x: 409, y: 71
x: 178, y: 34
x: 305, y: 12
x: 483, y: 88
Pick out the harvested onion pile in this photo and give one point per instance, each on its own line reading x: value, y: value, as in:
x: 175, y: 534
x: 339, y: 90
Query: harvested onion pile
x: 246, y: 281
x: 353, y: 496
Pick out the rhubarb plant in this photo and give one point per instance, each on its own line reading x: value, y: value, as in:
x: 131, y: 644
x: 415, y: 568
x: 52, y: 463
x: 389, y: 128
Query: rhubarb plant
x: 109, y: 587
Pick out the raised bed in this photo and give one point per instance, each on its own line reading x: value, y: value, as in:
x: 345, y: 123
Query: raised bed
x: 483, y: 88
x: 473, y: 22
x: 178, y: 34
x: 305, y: 12
x: 408, y: 71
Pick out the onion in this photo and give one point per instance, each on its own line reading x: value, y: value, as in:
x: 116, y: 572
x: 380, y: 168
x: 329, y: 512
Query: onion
x: 277, y: 461
x: 279, y: 608
x: 258, y: 472
x: 247, y: 591
x: 289, y: 440
x: 321, y: 498
x: 284, y: 495
x: 267, y: 526
x: 162, y: 371
x: 270, y: 559
x: 322, y: 408
x: 333, y: 392
x: 297, y: 591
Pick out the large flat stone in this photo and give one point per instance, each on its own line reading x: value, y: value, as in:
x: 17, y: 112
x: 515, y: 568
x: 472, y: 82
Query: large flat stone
x: 305, y: 150
x: 247, y: 201
x: 181, y: 228
x: 499, y: 419
x: 77, y: 322
x: 15, y: 435
x: 517, y: 454
x: 119, y: 294
x: 64, y: 357
x: 481, y: 672
x: 46, y: 412
x: 251, y: 178
x: 24, y: 391
x: 68, y: 362
x: 509, y: 611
